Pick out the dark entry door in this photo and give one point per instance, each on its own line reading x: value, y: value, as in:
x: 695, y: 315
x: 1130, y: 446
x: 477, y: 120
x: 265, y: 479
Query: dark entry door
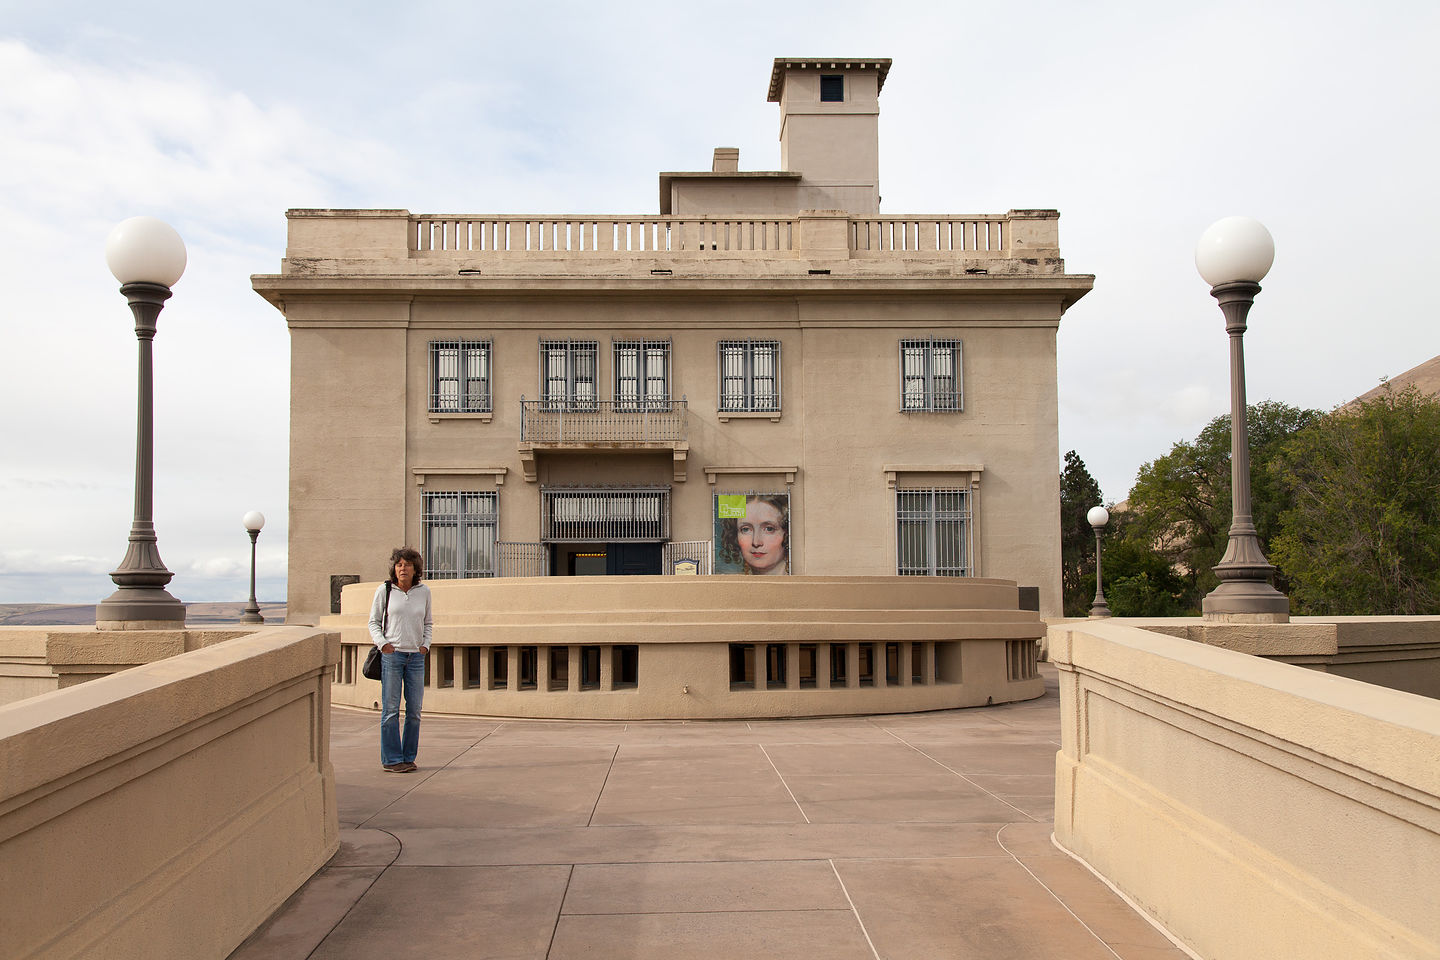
x: 633, y: 559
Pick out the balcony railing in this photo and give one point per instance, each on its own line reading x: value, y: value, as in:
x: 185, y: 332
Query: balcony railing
x: 602, y: 421
x: 641, y: 236
x: 1019, y: 233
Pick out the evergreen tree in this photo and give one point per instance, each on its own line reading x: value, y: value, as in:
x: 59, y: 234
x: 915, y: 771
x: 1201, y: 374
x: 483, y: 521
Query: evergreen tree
x: 1078, y: 493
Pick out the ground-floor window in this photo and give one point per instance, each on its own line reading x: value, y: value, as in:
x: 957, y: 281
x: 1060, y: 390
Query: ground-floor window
x: 933, y: 532
x: 458, y: 534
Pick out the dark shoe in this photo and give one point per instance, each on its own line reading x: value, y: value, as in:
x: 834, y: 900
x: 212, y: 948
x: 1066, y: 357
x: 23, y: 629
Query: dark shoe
x: 397, y: 767
x: 409, y: 767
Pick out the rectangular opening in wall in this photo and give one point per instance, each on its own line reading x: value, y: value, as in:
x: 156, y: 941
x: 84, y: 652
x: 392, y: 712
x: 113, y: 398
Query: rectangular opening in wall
x: 947, y: 662
x: 867, y: 664
x: 529, y: 668
x: 917, y: 663
x: 807, y: 664
x: 499, y: 668
x: 558, y: 677
x: 589, y: 668
x: 742, y: 666
x: 832, y: 88
x: 474, y: 668
x: 444, y: 665
x: 626, y: 665
x: 345, y: 669
x: 892, y: 664
x: 429, y: 657
x: 838, y: 664
x: 775, y: 666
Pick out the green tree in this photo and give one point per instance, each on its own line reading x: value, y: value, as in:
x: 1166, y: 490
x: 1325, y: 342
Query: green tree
x: 1181, y: 501
x: 1078, y: 493
x: 1361, y: 535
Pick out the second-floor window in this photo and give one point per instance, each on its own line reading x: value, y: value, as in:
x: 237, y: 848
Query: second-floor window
x: 930, y: 375
x: 642, y: 374
x: 460, y: 376
x: 749, y: 376
x: 568, y: 373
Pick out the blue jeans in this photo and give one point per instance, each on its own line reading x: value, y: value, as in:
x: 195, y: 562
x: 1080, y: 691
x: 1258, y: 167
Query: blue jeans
x: 400, y: 672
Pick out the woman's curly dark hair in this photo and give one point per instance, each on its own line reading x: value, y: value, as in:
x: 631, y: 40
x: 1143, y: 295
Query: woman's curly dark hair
x: 730, y: 528
x: 411, y: 554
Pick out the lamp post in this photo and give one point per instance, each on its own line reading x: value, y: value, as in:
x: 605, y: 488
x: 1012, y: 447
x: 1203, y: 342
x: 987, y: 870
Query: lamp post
x: 254, y: 522
x: 1233, y: 256
x: 147, y: 256
x: 1098, y: 517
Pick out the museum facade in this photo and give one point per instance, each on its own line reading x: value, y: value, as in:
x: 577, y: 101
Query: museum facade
x: 568, y: 395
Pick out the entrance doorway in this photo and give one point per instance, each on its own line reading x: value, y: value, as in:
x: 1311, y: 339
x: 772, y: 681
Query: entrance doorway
x: 606, y: 559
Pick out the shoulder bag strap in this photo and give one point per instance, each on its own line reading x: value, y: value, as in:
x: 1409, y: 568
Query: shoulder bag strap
x: 385, y: 615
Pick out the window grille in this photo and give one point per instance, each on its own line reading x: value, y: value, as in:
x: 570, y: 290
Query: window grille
x: 933, y: 532
x: 604, y: 515
x: 460, y: 376
x: 832, y: 88
x: 568, y: 374
x: 642, y: 374
x: 458, y: 534
x: 749, y: 375
x: 930, y: 375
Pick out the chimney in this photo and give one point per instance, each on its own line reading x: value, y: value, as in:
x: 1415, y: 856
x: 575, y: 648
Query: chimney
x: 727, y: 160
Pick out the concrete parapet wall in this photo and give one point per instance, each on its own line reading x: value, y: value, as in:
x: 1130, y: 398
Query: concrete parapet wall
x: 36, y: 660
x: 949, y: 643
x: 1252, y: 808
x: 1402, y: 653
x: 168, y: 810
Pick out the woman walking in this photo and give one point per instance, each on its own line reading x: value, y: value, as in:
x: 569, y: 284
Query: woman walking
x: 400, y: 625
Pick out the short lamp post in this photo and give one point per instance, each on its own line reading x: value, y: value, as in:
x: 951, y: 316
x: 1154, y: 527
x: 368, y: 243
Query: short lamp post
x: 147, y: 256
x: 254, y: 522
x: 1233, y: 256
x: 1098, y: 517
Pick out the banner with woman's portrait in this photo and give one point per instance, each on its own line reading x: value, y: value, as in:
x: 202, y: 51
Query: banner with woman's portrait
x: 752, y: 533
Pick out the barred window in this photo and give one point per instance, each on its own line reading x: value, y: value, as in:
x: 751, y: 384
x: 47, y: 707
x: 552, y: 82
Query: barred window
x: 930, y: 375
x: 749, y: 376
x: 568, y: 374
x: 605, y: 514
x: 642, y: 374
x: 933, y: 532
x: 460, y: 376
x: 458, y: 534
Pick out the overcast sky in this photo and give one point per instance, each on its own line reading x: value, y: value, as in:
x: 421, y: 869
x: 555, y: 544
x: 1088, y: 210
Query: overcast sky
x: 1141, y: 122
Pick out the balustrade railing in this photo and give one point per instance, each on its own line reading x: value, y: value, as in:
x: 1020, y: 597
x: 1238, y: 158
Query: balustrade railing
x: 930, y: 234
x: 669, y: 236
x: 610, y: 236
x: 602, y: 421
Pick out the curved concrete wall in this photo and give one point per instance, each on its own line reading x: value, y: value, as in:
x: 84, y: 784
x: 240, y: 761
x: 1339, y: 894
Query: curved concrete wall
x: 947, y: 643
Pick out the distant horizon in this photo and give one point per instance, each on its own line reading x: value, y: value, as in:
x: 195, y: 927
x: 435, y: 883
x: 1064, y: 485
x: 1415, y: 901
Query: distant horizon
x: 198, y: 613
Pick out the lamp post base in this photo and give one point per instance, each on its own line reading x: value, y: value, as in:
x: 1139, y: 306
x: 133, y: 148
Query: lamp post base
x: 139, y: 608
x: 1246, y: 601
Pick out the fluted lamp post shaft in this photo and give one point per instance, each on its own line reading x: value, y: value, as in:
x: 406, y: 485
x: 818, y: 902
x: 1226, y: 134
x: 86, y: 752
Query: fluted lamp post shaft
x: 1233, y: 256
x: 254, y: 521
x: 147, y: 257
x: 1098, y: 517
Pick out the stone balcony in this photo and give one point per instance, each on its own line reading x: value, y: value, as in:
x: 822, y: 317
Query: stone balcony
x: 592, y: 426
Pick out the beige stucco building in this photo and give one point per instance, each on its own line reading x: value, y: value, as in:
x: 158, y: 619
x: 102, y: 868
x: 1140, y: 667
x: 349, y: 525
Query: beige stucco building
x: 565, y: 395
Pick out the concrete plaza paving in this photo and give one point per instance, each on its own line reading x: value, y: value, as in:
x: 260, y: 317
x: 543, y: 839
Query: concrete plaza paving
x: 904, y: 836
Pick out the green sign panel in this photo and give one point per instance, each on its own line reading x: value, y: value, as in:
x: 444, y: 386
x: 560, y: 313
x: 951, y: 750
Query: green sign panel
x: 730, y: 506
